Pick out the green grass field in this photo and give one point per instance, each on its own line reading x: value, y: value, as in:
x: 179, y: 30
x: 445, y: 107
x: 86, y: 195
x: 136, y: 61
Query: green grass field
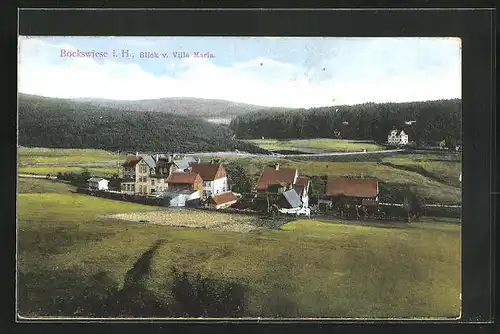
x: 34, y: 186
x: 320, y: 144
x: 446, y: 168
x: 53, y: 155
x: 53, y: 170
x: 71, y: 255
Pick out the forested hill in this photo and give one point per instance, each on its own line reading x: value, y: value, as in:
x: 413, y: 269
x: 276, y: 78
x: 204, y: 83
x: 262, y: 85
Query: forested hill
x: 433, y: 121
x: 48, y: 122
x: 206, y: 108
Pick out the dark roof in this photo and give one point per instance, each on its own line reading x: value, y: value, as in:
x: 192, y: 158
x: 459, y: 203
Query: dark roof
x: 131, y: 161
x: 182, y: 163
x: 292, y: 198
x: 223, y: 198
x: 338, y: 186
x: 272, y: 176
x: 182, y: 177
x: 299, y: 188
x: 149, y: 160
x: 302, y: 181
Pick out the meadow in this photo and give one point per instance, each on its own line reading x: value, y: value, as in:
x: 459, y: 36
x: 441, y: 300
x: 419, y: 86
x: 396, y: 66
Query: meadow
x: 442, y: 167
x: 317, y: 144
x: 56, y: 155
x: 53, y: 170
x: 72, y: 257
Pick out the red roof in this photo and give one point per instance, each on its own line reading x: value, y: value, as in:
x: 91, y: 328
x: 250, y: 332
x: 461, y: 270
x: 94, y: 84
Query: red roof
x: 224, y: 198
x: 131, y: 161
x: 207, y: 171
x: 272, y: 176
x: 182, y: 177
x: 338, y: 186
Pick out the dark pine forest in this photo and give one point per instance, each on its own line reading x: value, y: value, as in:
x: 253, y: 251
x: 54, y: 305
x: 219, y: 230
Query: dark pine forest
x: 61, y: 123
x: 434, y: 121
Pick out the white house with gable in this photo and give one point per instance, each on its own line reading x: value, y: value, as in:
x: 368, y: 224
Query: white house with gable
x: 214, y: 177
x: 98, y: 183
x: 397, y: 137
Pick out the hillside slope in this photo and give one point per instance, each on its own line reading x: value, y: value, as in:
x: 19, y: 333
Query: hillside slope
x: 206, y: 108
x: 48, y: 122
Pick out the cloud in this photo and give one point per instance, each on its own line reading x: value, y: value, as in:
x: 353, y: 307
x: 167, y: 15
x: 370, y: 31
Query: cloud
x: 350, y: 77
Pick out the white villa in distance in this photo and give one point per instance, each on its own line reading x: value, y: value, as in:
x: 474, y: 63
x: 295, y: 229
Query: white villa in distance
x: 397, y: 137
x: 98, y: 183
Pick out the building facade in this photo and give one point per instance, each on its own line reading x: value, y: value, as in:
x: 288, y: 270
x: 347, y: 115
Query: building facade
x: 214, y: 177
x: 397, y: 137
x: 147, y: 173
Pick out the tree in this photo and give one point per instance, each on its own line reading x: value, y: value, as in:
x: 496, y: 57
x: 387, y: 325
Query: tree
x: 239, y: 177
x: 451, y: 143
x: 412, y: 205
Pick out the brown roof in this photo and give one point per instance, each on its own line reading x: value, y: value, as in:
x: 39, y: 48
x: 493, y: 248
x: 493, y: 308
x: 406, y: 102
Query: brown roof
x: 207, y: 171
x: 131, y: 161
x: 224, y: 198
x: 182, y: 177
x: 272, y: 176
x: 337, y: 186
x: 302, y: 181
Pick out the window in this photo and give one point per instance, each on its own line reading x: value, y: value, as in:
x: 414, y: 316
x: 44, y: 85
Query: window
x: 152, y: 182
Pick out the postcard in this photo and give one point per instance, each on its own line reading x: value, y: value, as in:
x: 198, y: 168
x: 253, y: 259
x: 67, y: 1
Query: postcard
x: 239, y: 178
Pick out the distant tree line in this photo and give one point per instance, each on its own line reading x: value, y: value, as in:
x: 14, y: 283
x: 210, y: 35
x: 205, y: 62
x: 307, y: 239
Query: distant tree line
x: 45, y: 122
x: 425, y: 122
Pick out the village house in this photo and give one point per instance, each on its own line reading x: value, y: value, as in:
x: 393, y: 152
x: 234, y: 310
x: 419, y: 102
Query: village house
x: 397, y: 137
x: 343, y: 192
x: 276, y: 185
x: 147, y: 173
x: 223, y: 200
x: 179, y: 198
x: 186, y: 181
x: 97, y: 183
x: 213, y: 175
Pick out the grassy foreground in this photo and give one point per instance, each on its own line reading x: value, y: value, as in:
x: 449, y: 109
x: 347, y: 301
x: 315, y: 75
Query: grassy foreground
x: 323, y: 144
x: 71, y: 258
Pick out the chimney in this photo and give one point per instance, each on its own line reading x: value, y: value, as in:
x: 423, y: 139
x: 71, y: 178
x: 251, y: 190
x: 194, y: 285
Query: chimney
x: 277, y: 166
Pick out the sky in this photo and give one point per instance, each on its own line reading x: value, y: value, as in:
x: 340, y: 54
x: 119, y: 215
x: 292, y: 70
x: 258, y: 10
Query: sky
x: 298, y: 72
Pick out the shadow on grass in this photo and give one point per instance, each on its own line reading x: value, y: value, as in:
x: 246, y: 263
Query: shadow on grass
x: 68, y: 293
